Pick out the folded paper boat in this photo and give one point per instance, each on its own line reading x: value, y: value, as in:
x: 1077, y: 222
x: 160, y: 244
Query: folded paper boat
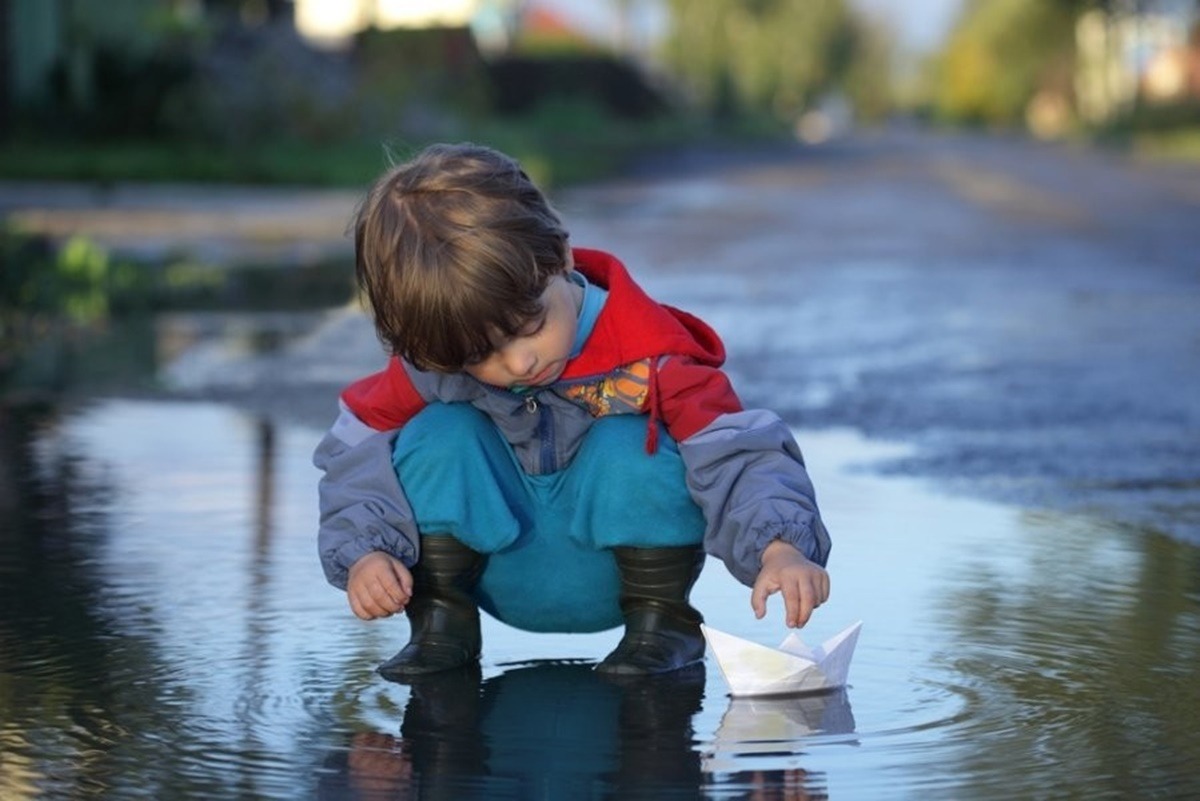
x: 792, y: 668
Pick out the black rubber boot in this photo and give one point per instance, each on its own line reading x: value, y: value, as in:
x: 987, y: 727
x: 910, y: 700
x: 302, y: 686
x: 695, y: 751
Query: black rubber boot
x: 662, y: 631
x: 442, y: 613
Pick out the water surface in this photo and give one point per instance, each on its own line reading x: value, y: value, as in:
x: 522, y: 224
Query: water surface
x: 167, y: 632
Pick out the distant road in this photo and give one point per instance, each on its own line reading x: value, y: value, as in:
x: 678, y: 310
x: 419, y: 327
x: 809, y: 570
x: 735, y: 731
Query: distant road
x: 214, y: 224
x: 1026, y: 316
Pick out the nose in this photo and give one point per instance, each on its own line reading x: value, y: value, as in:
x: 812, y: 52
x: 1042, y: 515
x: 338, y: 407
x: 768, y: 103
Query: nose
x: 519, y: 359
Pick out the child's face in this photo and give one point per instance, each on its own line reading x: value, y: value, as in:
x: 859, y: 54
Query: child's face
x: 538, y: 354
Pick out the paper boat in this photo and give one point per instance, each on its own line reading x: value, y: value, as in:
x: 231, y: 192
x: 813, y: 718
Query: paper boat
x: 792, y: 668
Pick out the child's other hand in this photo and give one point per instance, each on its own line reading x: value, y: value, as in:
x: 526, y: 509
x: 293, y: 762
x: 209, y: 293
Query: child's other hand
x: 804, y: 584
x: 379, y: 586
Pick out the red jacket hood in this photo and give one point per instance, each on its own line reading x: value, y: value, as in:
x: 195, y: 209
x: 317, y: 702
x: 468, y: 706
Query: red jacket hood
x: 632, y: 326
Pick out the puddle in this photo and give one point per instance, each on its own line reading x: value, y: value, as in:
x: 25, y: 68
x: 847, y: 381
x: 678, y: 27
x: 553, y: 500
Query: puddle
x: 167, y: 631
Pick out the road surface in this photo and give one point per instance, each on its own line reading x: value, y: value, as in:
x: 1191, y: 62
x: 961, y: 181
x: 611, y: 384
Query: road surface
x: 1025, y: 317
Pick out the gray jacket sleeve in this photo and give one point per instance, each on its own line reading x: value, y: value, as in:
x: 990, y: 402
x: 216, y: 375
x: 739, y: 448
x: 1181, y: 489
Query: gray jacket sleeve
x: 747, y: 474
x: 363, y: 507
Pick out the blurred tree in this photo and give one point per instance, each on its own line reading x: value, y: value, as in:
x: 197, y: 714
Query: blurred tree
x: 869, y: 80
x: 1001, y: 53
x: 774, y: 56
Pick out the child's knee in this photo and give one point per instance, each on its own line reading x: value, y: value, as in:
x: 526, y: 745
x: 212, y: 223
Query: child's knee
x: 622, y: 495
x: 443, y: 431
x: 450, y: 454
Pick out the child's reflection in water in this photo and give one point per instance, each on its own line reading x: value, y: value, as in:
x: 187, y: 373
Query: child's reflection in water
x: 548, y: 730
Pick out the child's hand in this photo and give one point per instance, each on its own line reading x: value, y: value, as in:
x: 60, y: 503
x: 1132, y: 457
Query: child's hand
x: 379, y: 586
x: 804, y: 584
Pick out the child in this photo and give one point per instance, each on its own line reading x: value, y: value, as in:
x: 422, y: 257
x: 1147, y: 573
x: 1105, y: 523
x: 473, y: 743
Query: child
x: 547, y: 442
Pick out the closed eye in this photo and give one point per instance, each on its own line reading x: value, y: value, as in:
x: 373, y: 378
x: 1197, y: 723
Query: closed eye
x: 477, y: 359
x: 533, y: 327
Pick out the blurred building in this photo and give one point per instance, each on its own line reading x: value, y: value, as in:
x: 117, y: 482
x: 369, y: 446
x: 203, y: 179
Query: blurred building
x: 334, y: 23
x: 230, y: 71
x: 629, y: 27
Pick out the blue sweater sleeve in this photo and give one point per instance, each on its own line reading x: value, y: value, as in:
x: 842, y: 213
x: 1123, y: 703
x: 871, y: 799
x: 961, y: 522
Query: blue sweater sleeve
x: 747, y: 474
x: 363, y: 507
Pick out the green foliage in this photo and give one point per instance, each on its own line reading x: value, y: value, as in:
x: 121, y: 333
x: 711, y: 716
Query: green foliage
x: 564, y: 141
x: 1004, y: 57
x: 999, y: 55
x: 1170, y: 132
x: 520, y: 83
x: 868, y: 80
x: 56, y: 304
x: 110, y: 70
x: 199, y: 100
x: 575, y: 139
x: 773, y: 56
x: 72, y: 284
x: 1181, y: 145
x: 44, y: 295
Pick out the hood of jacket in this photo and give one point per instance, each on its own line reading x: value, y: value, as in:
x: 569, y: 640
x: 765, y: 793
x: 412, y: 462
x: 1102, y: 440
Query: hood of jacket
x: 632, y: 326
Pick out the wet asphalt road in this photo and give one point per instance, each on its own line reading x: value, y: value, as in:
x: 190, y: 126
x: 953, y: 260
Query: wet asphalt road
x: 1025, y: 317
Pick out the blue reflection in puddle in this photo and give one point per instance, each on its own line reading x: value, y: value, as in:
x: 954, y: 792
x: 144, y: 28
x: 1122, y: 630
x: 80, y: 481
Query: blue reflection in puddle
x: 223, y: 642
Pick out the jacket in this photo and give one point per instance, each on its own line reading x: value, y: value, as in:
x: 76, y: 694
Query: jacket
x: 743, y: 467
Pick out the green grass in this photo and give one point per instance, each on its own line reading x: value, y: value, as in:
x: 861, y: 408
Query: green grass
x: 1181, y: 145
x: 559, y: 144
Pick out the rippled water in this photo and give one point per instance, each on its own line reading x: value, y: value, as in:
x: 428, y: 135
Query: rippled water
x: 166, y: 632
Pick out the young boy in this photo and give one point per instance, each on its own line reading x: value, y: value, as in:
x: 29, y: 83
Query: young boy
x: 547, y: 442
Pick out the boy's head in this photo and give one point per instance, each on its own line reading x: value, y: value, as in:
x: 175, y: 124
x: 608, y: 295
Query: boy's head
x: 454, y: 250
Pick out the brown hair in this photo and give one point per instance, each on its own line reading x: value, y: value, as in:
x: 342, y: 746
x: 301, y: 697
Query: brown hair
x: 454, y: 249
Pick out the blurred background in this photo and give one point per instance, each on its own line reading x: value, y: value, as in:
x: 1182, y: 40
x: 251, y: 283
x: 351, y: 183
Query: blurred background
x: 952, y: 242
x: 323, y: 92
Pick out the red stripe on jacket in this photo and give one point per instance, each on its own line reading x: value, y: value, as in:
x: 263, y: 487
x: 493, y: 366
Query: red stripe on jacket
x: 690, y: 396
x: 384, y: 400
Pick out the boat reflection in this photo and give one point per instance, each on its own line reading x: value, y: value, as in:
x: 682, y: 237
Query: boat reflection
x: 775, y: 726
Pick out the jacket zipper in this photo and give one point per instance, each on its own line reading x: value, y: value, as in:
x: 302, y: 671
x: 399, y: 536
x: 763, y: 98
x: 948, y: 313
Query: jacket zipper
x: 545, y: 432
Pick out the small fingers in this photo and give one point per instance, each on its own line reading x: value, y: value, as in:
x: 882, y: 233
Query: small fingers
x: 359, y: 608
x: 382, y: 603
x: 801, y: 599
x: 406, y: 586
x: 388, y: 594
x: 404, y: 582
x: 794, y: 607
x: 758, y: 598
x: 373, y: 603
